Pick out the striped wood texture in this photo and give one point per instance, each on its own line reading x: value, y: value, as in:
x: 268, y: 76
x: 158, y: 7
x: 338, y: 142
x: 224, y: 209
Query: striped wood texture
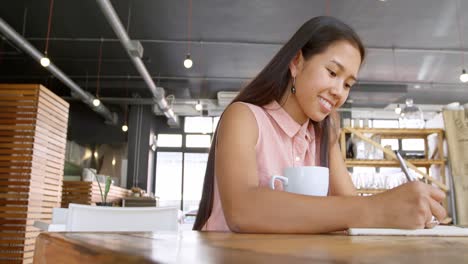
x: 33, y: 130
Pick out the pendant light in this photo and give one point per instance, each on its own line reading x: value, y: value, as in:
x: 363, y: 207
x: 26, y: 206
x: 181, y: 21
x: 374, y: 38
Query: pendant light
x: 199, y: 106
x: 188, y: 63
x: 45, y: 61
x: 398, y: 109
x: 125, y: 126
x: 463, y: 76
x: 96, y: 101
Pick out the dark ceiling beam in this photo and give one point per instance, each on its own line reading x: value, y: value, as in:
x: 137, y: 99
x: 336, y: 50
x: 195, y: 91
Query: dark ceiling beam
x: 253, y: 43
x: 220, y: 78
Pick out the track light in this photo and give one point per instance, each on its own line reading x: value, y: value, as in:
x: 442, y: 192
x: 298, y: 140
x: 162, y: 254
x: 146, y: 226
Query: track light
x: 188, y: 63
x: 45, y: 62
x: 124, y: 128
x: 464, y: 76
x: 398, y: 109
x: 96, y: 102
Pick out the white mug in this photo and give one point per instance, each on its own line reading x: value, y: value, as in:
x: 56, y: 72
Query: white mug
x: 307, y: 180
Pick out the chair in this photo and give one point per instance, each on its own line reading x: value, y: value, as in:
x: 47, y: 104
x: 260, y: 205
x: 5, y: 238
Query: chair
x: 134, y: 219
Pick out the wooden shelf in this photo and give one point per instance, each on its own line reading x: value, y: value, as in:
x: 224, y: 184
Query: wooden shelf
x: 398, y: 132
x: 363, y: 135
x: 390, y: 163
x: 370, y: 191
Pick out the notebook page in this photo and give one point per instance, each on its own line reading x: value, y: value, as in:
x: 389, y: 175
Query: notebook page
x: 440, y: 230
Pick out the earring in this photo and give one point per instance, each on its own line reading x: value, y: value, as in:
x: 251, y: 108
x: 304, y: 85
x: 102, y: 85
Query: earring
x: 293, y: 87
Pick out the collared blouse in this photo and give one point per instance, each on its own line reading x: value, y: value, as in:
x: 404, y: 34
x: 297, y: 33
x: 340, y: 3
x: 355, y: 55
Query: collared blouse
x: 282, y: 142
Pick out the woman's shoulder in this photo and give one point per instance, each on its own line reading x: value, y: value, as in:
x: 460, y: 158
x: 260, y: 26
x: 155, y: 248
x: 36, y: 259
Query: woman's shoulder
x: 258, y: 111
x: 238, y: 122
x: 240, y: 111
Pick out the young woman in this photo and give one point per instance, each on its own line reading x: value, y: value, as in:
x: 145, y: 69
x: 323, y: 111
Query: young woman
x: 287, y: 117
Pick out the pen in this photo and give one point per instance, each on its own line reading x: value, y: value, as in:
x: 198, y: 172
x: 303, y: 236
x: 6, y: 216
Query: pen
x: 404, y: 168
x: 411, y: 178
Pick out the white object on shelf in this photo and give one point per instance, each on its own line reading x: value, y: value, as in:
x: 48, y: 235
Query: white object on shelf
x: 411, y: 116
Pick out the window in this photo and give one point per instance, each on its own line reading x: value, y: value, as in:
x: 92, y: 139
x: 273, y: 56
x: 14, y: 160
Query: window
x: 169, y: 178
x: 170, y: 140
x: 194, y: 175
x: 180, y: 173
x: 198, y: 141
x: 198, y: 124
x: 215, y: 123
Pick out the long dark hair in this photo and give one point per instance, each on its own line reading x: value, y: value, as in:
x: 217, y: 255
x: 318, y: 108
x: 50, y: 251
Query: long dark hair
x: 314, y: 37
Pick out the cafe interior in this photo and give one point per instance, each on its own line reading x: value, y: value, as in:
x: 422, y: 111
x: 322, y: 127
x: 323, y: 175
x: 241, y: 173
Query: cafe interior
x: 108, y: 109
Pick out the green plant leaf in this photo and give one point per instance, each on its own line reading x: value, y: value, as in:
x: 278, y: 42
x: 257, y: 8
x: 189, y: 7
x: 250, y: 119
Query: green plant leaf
x: 108, y: 185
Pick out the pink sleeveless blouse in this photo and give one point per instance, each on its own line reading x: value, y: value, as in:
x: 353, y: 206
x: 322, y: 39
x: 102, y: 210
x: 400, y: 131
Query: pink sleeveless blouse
x: 282, y: 142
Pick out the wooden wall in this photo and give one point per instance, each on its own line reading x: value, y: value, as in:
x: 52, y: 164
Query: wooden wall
x: 33, y: 130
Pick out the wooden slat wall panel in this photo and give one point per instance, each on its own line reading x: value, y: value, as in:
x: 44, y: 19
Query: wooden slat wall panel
x: 33, y: 127
x: 81, y: 192
x: 76, y: 192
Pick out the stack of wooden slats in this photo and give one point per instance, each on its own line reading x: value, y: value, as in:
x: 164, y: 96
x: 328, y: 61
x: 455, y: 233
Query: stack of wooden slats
x: 83, y: 192
x: 78, y: 192
x: 33, y: 130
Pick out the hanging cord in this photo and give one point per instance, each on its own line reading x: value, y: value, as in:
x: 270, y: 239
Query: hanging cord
x: 327, y: 7
x: 203, y: 70
x: 460, y: 33
x: 394, y: 64
x: 126, y: 96
x: 129, y: 16
x: 86, y: 83
x: 49, y: 24
x: 189, y: 25
x: 99, y: 69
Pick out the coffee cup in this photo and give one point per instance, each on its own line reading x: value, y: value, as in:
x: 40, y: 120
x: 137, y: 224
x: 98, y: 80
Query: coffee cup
x: 307, y: 180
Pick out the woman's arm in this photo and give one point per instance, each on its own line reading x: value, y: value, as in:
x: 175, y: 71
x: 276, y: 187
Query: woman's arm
x: 249, y: 208
x: 340, y: 180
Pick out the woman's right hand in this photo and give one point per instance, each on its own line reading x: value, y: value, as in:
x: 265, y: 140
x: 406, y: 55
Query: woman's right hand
x: 409, y: 206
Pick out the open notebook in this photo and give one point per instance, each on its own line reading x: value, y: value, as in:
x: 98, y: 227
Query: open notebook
x: 440, y: 230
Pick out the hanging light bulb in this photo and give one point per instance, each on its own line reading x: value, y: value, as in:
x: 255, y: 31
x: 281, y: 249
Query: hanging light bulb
x: 113, y: 161
x: 96, y: 102
x: 199, y: 106
x: 125, y: 128
x: 45, y: 62
x: 188, y: 63
x: 398, y: 109
x: 95, y: 154
x: 464, y: 76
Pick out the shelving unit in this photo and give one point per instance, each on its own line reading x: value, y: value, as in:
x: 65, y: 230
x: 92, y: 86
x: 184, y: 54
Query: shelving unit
x: 388, y: 133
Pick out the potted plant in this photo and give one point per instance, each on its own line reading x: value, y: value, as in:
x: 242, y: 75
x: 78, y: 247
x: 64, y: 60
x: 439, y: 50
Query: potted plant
x: 106, y: 191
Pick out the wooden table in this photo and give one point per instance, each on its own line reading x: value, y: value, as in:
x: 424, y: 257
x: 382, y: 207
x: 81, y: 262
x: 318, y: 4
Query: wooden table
x: 203, y: 247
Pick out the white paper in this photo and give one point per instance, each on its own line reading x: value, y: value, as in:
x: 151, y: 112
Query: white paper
x: 440, y: 230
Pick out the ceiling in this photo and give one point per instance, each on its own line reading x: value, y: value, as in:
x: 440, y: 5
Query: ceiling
x: 414, y: 47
